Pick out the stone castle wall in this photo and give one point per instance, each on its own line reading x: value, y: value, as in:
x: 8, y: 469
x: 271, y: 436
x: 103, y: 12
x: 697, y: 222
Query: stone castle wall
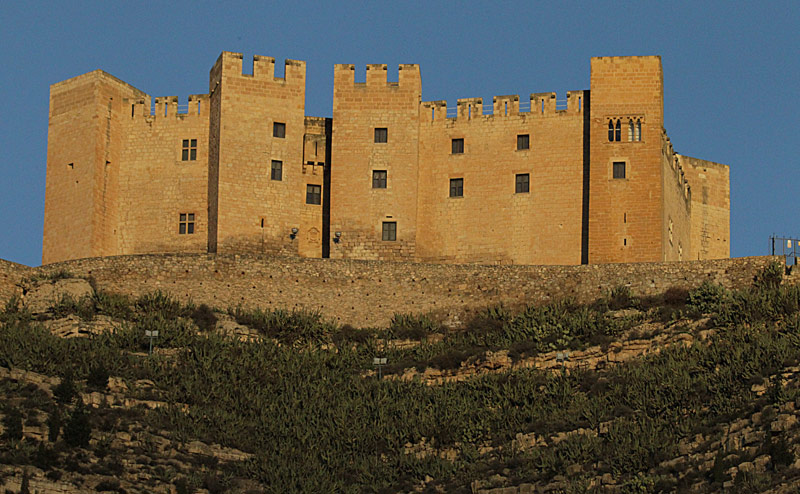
x: 118, y: 182
x: 11, y: 275
x: 368, y: 293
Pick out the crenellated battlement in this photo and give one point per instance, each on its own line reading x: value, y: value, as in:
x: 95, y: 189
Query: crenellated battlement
x: 230, y: 64
x: 377, y: 77
x: 539, y: 104
x: 168, y: 106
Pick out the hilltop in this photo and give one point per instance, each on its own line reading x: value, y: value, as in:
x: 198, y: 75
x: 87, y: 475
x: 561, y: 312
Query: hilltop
x: 694, y: 390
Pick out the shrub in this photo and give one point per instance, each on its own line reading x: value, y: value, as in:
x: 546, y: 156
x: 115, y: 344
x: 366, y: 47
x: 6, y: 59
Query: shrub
x: 113, y: 305
x: 412, y: 326
x: 98, y: 376
x: 770, y: 277
x: 708, y: 297
x: 65, y: 391
x: 67, y: 305
x: 78, y: 430
x: 349, y: 334
x: 204, y: 317
x: 12, y: 425
x: 620, y: 298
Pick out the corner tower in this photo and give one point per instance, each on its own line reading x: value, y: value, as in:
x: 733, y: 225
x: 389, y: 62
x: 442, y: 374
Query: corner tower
x: 84, y: 151
x: 625, y: 176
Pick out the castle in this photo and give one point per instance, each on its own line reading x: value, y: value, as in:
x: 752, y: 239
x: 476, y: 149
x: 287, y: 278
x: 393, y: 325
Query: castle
x: 592, y: 179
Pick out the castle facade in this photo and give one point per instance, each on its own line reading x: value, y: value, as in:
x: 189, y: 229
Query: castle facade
x: 591, y: 179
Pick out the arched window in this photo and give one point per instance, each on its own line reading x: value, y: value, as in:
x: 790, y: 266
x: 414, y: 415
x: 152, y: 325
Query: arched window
x: 618, y: 131
x: 630, y: 130
x: 639, y: 129
x: 610, y: 131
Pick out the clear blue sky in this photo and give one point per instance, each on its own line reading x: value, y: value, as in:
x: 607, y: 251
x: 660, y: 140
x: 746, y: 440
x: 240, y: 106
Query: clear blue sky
x: 731, y: 74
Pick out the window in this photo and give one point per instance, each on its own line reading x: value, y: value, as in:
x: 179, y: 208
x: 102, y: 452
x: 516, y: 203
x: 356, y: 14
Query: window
x: 389, y: 231
x: 277, y: 170
x: 523, y: 183
x: 638, y: 134
x: 456, y: 187
x: 186, y: 224
x: 614, y: 130
x: 313, y: 194
x: 279, y: 130
x: 630, y: 130
x: 379, y: 179
x: 381, y: 134
x: 619, y: 169
x: 189, y: 151
x: 458, y: 146
x: 523, y: 142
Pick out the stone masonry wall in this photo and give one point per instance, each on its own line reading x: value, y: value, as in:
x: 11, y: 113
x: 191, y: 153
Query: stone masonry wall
x: 492, y: 222
x: 11, y: 274
x: 368, y: 293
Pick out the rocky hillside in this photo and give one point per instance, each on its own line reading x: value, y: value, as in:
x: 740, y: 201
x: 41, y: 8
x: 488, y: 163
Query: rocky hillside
x: 688, y: 391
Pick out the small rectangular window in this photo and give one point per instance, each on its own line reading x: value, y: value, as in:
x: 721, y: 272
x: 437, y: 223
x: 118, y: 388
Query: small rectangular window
x: 619, y: 169
x: 189, y: 150
x: 523, y: 183
x: 381, y: 134
x: 456, y: 187
x: 277, y: 170
x: 379, y: 179
x: 279, y: 130
x: 186, y: 223
x: 457, y: 146
x: 313, y: 194
x: 389, y: 231
x: 523, y: 142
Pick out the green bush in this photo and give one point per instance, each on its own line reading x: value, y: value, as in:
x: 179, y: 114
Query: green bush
x: 620, y: 298
x: 708, y: 297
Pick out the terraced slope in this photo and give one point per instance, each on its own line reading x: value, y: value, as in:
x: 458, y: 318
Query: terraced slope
x: 689, y: 392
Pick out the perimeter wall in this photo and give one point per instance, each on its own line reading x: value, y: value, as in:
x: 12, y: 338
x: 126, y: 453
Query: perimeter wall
x: 368, y: 293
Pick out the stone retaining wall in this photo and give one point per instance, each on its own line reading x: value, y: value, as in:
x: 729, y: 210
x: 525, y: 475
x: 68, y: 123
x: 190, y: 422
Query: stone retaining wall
x: 368, y: 293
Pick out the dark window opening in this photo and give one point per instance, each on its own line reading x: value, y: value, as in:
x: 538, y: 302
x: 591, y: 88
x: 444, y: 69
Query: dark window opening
x: 523, y: 142
x: 610, y: 131
x: 389, y: 231
x: 381, y: 134
x: 186, y: 223
x: 379, y: 179
x: 189, y: 150
x: 278, y: 130
x: 619, y: 169
x: 456, y: 187
x: 523, y: 183
x: 313, y: 194
x: 457, y: 146
x: 277, y: 170
x: 618, y: 131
